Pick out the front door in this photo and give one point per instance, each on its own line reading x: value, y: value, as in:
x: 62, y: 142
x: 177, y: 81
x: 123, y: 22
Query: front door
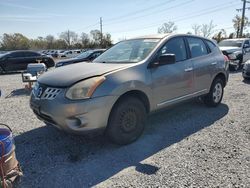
x: 172, y: 82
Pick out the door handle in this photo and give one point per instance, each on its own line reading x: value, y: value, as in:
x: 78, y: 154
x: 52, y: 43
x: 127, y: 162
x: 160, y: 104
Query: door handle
x: 188, y: 69
x: 214, y: 63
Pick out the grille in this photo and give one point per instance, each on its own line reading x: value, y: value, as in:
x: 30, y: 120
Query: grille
x: 50, y: 93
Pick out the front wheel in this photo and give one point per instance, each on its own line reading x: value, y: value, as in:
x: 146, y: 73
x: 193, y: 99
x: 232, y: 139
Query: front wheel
x: 127, y: 121
x: 215, y: 95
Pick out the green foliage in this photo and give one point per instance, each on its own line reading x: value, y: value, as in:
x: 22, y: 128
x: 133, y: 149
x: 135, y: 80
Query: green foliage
x: 237, y: 24
x: 67, y: 40
x: 14, y: 41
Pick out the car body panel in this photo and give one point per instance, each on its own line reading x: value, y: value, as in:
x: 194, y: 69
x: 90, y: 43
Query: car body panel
x: 80, y: 71
x: 163, y: 86
x: 18, y: 60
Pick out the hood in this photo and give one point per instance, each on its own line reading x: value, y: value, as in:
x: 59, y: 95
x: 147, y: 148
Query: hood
x: 229, y: 49
x: 68, y: 75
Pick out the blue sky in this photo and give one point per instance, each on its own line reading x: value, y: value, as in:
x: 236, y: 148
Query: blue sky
x: 122, y: 19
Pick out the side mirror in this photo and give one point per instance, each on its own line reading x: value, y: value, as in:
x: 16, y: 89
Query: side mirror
x: 164, y: 59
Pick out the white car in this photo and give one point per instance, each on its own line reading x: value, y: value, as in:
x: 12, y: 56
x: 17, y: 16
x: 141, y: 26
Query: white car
x: 69, y: 54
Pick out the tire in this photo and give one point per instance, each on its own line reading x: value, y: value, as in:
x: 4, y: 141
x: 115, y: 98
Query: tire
x: 126, y: 121
x: 1, y: 70
x: 215, y: 95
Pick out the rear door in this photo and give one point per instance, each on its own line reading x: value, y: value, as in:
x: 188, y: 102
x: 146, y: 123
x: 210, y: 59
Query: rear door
x: 15, y: 61
x: 172, y: 82
x: 203, y: 63
x: 32, y: 57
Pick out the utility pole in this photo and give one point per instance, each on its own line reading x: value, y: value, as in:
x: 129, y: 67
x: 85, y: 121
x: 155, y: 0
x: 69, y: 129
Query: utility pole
x: 243, y: 17
x: 101, y: 29
x: 68, y: 38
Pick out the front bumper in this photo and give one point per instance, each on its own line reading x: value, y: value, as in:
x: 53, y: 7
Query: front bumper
x: 234, y: 62
x: 78, y: 117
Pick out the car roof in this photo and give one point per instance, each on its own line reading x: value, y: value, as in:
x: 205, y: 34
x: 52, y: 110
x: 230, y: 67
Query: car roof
x: 168, y: 35
x: 155, y: 36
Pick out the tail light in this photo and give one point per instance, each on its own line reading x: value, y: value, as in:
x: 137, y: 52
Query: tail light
x: 226, y: 58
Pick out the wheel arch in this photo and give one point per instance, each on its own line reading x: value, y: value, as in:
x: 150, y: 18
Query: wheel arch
x: 223, y: 77
x: 140, y: 95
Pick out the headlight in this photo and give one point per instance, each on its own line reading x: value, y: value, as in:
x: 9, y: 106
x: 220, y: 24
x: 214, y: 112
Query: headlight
x: 84, y: 89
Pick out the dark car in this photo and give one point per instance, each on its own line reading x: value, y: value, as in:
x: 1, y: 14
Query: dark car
x: 18, y: 60
x: 85, y: 56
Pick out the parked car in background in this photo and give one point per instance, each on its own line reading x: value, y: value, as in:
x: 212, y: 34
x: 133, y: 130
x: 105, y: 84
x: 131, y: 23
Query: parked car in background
x: 67, y: 53
x: 237, y: 50
x: 85, y: 56
x: 246, y: 70
x: 18, y: 60
x: 131, y: 79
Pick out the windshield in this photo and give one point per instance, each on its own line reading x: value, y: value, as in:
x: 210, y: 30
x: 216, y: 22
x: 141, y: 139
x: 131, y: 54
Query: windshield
x: 84, y: 54
x: 234, y: 43
x: 130, y: 51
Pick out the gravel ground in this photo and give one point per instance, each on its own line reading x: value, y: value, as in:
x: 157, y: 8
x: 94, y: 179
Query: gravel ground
x: 188, y: 145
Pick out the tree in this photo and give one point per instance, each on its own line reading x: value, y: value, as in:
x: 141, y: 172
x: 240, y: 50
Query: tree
x: 168, y: 27
x: 207, y: 29
x: 70, y: 37
x: 49, y: 40
x: 96, y: 37
x: 222, y: 34
x: 237, y: 24
x: 106, y: 41
x: 231, y: 36
x: 85, y: 40
x: 196, y: 29
x: 15, y: 41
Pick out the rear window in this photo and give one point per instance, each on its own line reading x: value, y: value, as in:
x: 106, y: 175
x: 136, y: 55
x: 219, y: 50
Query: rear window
x: 197, y: 47
x: 211, y: 45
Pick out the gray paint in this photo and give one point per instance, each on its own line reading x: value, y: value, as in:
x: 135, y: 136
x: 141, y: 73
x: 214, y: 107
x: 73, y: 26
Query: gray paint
x: 163, y: 86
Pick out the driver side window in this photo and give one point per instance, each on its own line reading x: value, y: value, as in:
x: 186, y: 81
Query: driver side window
x: 175, y: 46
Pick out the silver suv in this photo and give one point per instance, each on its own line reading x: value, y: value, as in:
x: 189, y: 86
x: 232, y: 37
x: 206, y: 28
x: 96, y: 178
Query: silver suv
x: 237, y: 51
x: 130, y: 80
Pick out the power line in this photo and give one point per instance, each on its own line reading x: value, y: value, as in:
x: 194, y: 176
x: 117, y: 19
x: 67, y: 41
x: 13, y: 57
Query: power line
x: 139, y: 11
x: 89, y: 26
x: 154, y: 12
x: 185, y: 17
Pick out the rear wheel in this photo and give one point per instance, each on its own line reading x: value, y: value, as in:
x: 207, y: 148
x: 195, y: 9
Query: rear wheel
x: 127, y: 121
x: 215, y: 95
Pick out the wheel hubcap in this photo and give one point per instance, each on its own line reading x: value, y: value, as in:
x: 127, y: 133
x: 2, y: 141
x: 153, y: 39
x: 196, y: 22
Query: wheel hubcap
x: 128, y: 120
x: 217, y: 93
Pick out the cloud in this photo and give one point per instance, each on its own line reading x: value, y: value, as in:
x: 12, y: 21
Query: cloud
x: 29, y: 17
x: 17, y: 6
